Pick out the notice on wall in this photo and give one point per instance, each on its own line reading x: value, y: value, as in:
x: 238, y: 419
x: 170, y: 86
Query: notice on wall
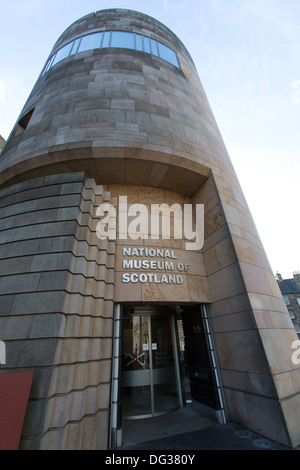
x: 153, y: 346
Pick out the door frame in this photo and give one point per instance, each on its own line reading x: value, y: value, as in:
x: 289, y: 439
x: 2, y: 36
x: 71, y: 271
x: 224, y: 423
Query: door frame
x: 151, y: 312
x: 115, y: 434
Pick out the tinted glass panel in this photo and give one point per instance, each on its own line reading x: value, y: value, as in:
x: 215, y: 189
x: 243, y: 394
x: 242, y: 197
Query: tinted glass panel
x: 47, y: 66
x: 106, y: 39
x: 56, y: 59
x: 167, y: 54
x: 92, y: 41
x: 154, y: 47
x: 139, y: 42
x: 114, y: 39
x: 75, y: 46
x: 122, y: 39
x: 63, y: 53
x: 147, y: 45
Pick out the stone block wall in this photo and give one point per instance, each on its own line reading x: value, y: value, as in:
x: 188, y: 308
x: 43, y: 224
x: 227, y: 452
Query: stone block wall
x: 193, y: 285
x: 126, y: 118
x: 56, y: 308
x: 253, y: 332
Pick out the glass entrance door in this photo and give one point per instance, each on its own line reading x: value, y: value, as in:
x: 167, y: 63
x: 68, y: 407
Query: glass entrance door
x: 150, y: 372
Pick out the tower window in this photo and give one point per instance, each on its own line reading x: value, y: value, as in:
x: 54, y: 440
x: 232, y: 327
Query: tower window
x: 122, y: 39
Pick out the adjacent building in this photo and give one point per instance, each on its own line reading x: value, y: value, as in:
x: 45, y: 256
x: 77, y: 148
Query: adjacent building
x: 137, y: 322
x: 2, y: 143
x: 290, y: 289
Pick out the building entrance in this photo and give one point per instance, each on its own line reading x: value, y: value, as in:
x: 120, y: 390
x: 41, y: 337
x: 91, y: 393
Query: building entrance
x: 150, y: 368
x: 163, y: 358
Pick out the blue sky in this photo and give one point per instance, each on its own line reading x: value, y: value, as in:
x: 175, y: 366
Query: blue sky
x: 248, y: 57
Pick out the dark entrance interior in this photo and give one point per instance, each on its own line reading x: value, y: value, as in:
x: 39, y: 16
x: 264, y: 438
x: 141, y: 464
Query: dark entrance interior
x: 199, y: 360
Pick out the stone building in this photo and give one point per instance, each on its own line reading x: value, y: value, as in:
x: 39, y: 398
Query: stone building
x: 2, y: 143
x: 290, y: 289
x: 117, y: 327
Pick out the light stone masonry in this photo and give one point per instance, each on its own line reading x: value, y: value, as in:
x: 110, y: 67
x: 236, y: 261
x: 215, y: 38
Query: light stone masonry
x: 107, y: 123
x: 45, y: 327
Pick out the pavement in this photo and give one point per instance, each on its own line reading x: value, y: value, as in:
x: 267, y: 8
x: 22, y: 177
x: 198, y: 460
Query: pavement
x: 185, y: 430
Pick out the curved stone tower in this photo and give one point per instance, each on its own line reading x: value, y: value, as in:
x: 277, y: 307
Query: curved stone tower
x: 119, y: 110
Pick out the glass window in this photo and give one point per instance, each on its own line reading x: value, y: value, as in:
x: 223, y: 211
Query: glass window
x: 292, y: 314
x: 47, y: 66
x: 154, y: 47
x: 147, y: 45
x: 122, y: 39
x: 106, y: 39
x: 63, y: 53
x: 50, y: 63
x: 114, y: 39
x: 139, y: 42
x: 168, y: 54
x: 76, y: 43
x: 92, y: 41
